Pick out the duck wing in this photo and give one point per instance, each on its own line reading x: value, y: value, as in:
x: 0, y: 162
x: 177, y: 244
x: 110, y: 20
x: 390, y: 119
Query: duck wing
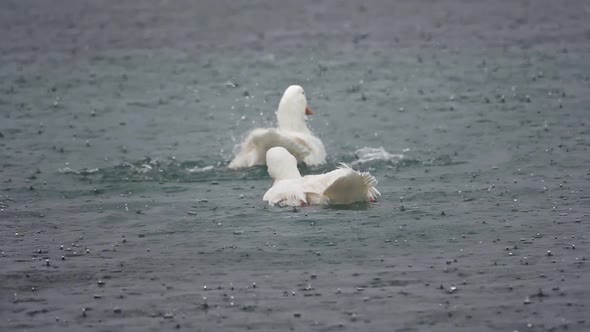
x: 345, y: 185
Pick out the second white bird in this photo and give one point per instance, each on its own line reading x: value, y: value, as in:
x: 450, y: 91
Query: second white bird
x: 341, y: 186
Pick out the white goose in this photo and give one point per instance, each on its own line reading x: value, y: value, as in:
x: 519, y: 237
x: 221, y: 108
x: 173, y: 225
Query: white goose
x: 341, y: 186
x: 292, y: 134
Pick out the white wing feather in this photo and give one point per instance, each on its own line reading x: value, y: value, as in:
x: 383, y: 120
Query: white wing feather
x: 351, y: 186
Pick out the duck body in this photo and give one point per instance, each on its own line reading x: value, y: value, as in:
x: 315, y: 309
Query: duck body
x: 292, y: 134
x: 340, y: 186
x: 304, y: 146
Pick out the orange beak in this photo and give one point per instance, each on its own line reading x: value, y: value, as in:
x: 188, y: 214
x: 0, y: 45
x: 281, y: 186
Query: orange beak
x: 308, y: 111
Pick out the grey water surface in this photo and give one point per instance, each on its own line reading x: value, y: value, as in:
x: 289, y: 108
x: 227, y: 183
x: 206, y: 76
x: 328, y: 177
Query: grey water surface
x: 117, y: 212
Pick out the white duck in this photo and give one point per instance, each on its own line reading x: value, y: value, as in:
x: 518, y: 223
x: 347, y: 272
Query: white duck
x: 341, y: 186
x: 292, y: 134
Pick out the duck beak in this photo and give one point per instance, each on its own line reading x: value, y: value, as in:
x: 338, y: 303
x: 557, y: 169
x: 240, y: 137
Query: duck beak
x: 308, y: 111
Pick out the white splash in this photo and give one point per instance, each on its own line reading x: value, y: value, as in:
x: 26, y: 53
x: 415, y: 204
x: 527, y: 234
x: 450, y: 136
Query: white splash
x: 198, y: 169
x: 367, y: 154
x: 83, y: 171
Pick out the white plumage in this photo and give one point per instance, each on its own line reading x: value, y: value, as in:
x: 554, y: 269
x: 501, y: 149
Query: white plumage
x: 340, y: 186
x: 292, y: 134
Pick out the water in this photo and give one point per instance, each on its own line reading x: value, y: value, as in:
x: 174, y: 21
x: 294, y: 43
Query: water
x: 118, y: 212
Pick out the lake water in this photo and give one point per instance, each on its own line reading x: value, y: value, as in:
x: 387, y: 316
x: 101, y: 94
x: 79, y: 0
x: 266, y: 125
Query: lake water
x: 117, y: 211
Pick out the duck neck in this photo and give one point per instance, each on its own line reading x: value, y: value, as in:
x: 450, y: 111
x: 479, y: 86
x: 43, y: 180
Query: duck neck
x: 292, y: 173
x: 289, y: 120
x: 287, y: 173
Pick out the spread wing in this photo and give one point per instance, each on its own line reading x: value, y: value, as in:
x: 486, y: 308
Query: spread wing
x: 352, y: 186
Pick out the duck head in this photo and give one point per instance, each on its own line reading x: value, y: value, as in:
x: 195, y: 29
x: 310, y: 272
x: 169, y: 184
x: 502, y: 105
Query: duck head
x: 293, y: 110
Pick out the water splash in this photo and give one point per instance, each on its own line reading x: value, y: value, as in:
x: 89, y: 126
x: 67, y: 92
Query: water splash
x: 172, y: 170
x: 82, y: 171
x: 369, y: 155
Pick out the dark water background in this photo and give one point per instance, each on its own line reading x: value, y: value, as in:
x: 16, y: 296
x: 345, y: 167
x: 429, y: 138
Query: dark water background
x: 112, y: 112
